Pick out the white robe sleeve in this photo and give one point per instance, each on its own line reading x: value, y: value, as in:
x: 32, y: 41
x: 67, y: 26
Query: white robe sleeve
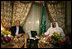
x: 62, y: 33
x: 46, y: 33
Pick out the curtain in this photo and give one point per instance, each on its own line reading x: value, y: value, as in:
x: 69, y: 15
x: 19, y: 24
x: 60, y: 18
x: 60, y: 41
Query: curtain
x: 33, y: 21
x: 6, y: 13
x: 20, y: 11
x: 57, y: 12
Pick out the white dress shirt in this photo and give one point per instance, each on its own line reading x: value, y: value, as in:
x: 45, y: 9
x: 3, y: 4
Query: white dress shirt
x: 17, y: 30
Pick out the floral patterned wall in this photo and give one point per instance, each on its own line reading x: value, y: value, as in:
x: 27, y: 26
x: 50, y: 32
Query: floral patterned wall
x: 6, y: 13
x: 57, y: 12
x: 20, y: 11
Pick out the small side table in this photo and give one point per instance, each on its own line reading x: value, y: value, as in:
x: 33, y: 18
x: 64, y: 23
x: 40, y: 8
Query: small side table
x: 32, y: 43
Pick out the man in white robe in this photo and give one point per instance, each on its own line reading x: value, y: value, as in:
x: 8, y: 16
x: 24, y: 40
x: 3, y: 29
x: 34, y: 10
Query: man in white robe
x: 54, y: 28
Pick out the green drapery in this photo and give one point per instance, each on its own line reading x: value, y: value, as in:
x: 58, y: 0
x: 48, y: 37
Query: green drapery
x: 43, y: 21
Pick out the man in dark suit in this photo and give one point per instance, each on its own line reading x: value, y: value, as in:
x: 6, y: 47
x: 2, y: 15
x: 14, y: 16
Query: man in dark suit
x: 17, y: 30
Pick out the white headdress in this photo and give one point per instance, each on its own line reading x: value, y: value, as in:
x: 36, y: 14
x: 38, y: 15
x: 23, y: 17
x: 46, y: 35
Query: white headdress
x: 56, y: 25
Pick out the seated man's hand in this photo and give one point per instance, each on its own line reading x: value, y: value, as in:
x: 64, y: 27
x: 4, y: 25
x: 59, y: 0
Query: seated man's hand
x: 19, y: 35
x: 43, y: 35
x: 49, y: 39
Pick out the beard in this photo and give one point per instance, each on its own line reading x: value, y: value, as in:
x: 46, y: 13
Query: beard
x: 53, y: 26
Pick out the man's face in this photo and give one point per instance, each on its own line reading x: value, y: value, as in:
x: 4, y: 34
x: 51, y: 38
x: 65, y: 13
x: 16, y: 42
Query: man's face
x: 17, y: 23
x: 53, y: 24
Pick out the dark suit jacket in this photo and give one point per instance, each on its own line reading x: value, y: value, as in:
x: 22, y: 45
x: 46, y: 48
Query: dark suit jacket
x: 13, y: 30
